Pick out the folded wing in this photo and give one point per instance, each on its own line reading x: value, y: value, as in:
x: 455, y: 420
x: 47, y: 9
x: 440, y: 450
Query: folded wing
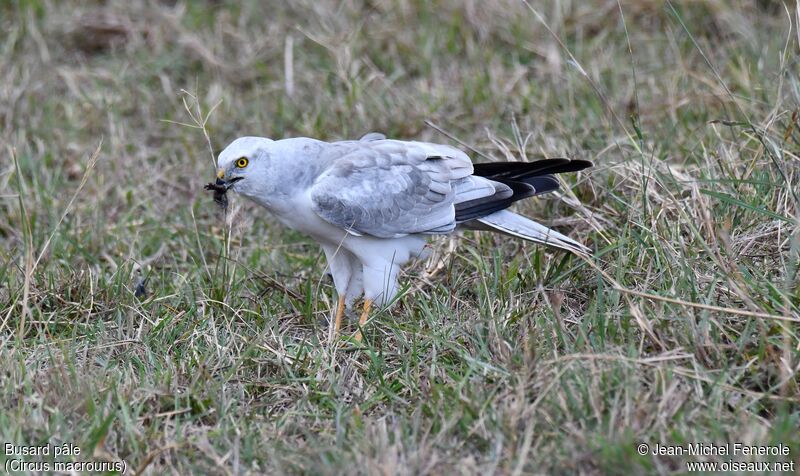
x: 388, y: 189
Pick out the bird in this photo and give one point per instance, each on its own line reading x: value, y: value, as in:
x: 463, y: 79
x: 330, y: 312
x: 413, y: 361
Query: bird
x: 372, y: 203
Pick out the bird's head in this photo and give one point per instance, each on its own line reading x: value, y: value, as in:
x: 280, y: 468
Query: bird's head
x: 244, y: 164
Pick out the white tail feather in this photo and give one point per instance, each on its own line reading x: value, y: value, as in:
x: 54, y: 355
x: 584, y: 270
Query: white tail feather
x: 510, y: 223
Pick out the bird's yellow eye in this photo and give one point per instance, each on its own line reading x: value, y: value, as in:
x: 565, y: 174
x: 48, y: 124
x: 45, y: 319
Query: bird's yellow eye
x: 242, y: 163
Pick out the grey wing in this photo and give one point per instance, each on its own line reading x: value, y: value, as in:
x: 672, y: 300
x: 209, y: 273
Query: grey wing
x: 388, y: 189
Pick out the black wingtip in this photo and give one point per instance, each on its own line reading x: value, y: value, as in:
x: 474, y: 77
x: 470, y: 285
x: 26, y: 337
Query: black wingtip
x: 521, y: 170
x: 525, y: 179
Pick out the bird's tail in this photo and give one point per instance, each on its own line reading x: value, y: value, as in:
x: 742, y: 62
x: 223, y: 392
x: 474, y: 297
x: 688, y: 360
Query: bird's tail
x: 512, y: 224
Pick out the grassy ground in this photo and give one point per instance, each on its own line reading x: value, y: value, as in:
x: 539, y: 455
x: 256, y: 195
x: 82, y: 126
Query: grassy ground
x: 502, y: 357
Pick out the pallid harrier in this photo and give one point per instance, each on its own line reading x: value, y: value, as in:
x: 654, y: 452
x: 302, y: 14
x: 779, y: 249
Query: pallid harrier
x: 371, y: 203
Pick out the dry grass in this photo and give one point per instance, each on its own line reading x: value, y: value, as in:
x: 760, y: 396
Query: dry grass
x: 502, y: 357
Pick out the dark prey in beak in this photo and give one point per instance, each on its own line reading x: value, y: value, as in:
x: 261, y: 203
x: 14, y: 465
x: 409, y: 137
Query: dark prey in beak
x: 220, y: 189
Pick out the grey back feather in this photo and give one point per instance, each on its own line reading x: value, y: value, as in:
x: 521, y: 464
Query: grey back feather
x: 371, y: 136
x: 388, y: 188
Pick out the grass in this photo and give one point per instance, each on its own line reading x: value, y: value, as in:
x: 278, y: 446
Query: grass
x: 141, y: 324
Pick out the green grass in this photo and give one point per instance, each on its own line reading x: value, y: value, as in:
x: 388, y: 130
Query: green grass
x: 500, y: 356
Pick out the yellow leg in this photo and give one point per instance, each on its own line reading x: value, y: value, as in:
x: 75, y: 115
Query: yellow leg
x: 337, y: 323
x: 363, y: 319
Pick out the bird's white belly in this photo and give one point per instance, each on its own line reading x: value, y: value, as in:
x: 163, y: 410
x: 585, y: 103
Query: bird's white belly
x: 373, y: 263
x: 306, y: 221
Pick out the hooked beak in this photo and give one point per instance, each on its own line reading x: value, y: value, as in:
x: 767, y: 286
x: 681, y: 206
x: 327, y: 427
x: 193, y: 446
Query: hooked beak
x: 222, y: 183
